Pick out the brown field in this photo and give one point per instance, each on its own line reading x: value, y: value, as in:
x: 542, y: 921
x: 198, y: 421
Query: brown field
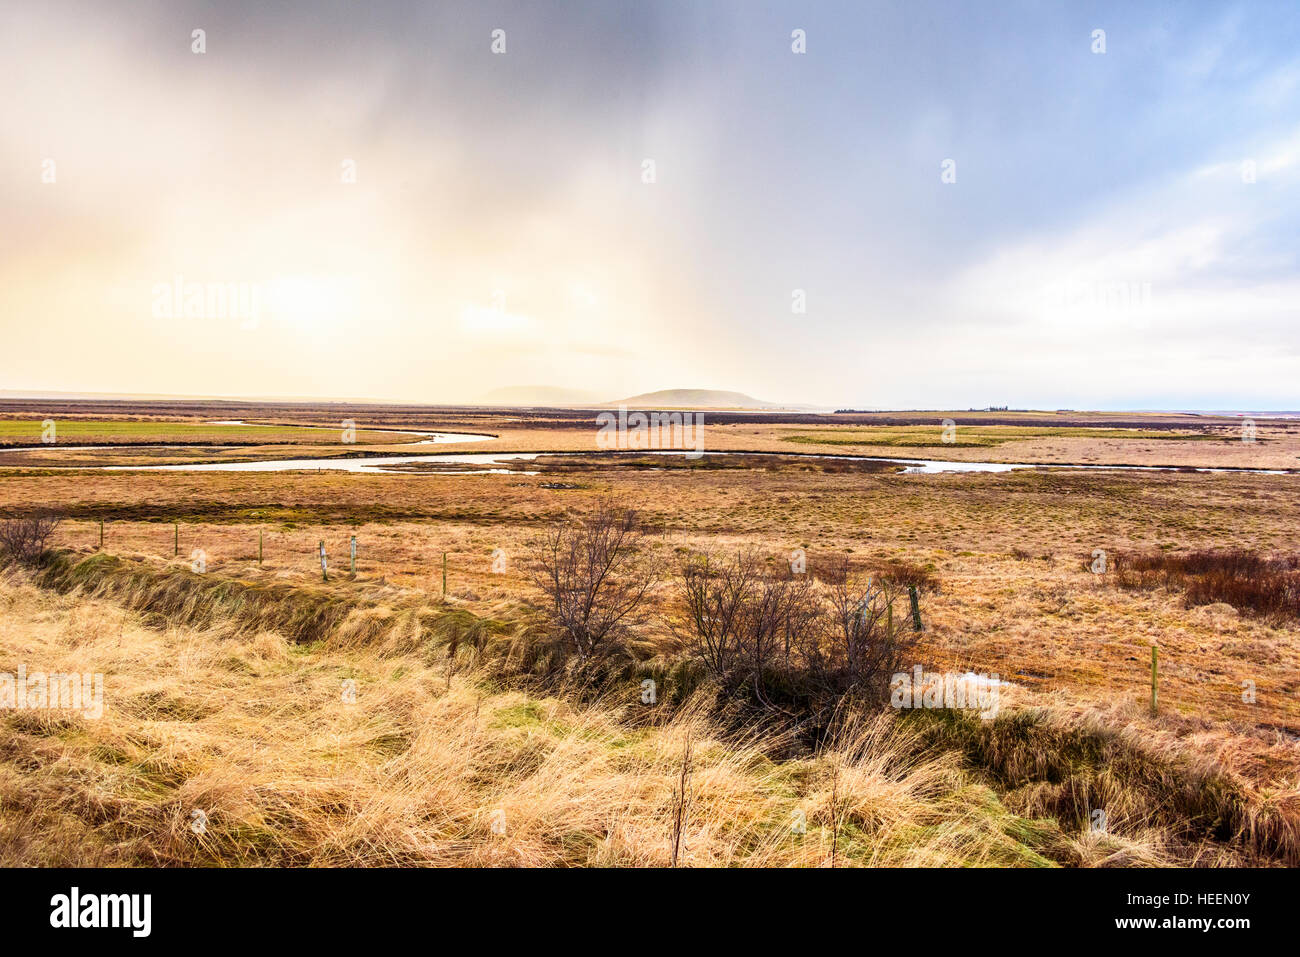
x: 208, y: 715
x: 1150, y: 439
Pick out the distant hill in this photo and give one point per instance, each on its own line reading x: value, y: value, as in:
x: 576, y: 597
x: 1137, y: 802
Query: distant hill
x: 543, y: 395
x: 695, y: 399
x: 560, y: 397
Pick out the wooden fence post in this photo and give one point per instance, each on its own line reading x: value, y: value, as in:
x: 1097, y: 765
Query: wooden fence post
x: 1155, y: 681
x: 916, y: 607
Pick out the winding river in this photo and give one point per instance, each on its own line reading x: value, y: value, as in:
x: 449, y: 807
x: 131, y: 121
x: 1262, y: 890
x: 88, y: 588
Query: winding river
x: 496, y: 463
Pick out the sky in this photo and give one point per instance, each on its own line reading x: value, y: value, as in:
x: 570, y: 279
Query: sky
x: 934, y: 205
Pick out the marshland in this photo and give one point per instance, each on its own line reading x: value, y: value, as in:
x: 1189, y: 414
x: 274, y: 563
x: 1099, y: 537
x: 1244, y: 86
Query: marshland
x: 613, y: 659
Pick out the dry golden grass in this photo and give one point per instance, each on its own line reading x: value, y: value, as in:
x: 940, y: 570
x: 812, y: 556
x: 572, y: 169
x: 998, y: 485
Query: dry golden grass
x: 253, y: 725
x: 1010, y: 552
x: 255, y: 734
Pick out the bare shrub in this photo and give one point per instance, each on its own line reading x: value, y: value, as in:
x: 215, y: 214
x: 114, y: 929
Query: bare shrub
x: 870, y: 646
x: 24, y: 539
x: 790, y: 638
x: 593, y: 576
x: 910, y: 573
x: 742, y: 618
x: 715, y: 593
x: 1269, y: 587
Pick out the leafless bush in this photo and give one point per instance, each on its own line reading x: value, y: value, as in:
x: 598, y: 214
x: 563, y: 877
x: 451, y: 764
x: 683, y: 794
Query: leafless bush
x: 871, y: 646
x: 23, y: 539
x: 1262, y: 585
x: 789, y: 637
x: 910, y: 573
x: 742, y: 619
x: 716, y: 593
x: 592, y: 576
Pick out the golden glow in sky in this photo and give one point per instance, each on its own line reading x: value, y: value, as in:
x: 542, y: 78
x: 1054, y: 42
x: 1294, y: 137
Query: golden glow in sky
x: 405, y: 214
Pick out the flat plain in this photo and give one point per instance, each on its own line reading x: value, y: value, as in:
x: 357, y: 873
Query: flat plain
x: 1011, y: 588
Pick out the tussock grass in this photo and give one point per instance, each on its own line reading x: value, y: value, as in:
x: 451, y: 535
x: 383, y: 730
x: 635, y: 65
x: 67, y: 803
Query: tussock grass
x: 508, y: 641
x: 1046, y: 766
x: 175, y: 593
x: 251, y: 731
x: 344, y: 613
x: 225, y: 697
